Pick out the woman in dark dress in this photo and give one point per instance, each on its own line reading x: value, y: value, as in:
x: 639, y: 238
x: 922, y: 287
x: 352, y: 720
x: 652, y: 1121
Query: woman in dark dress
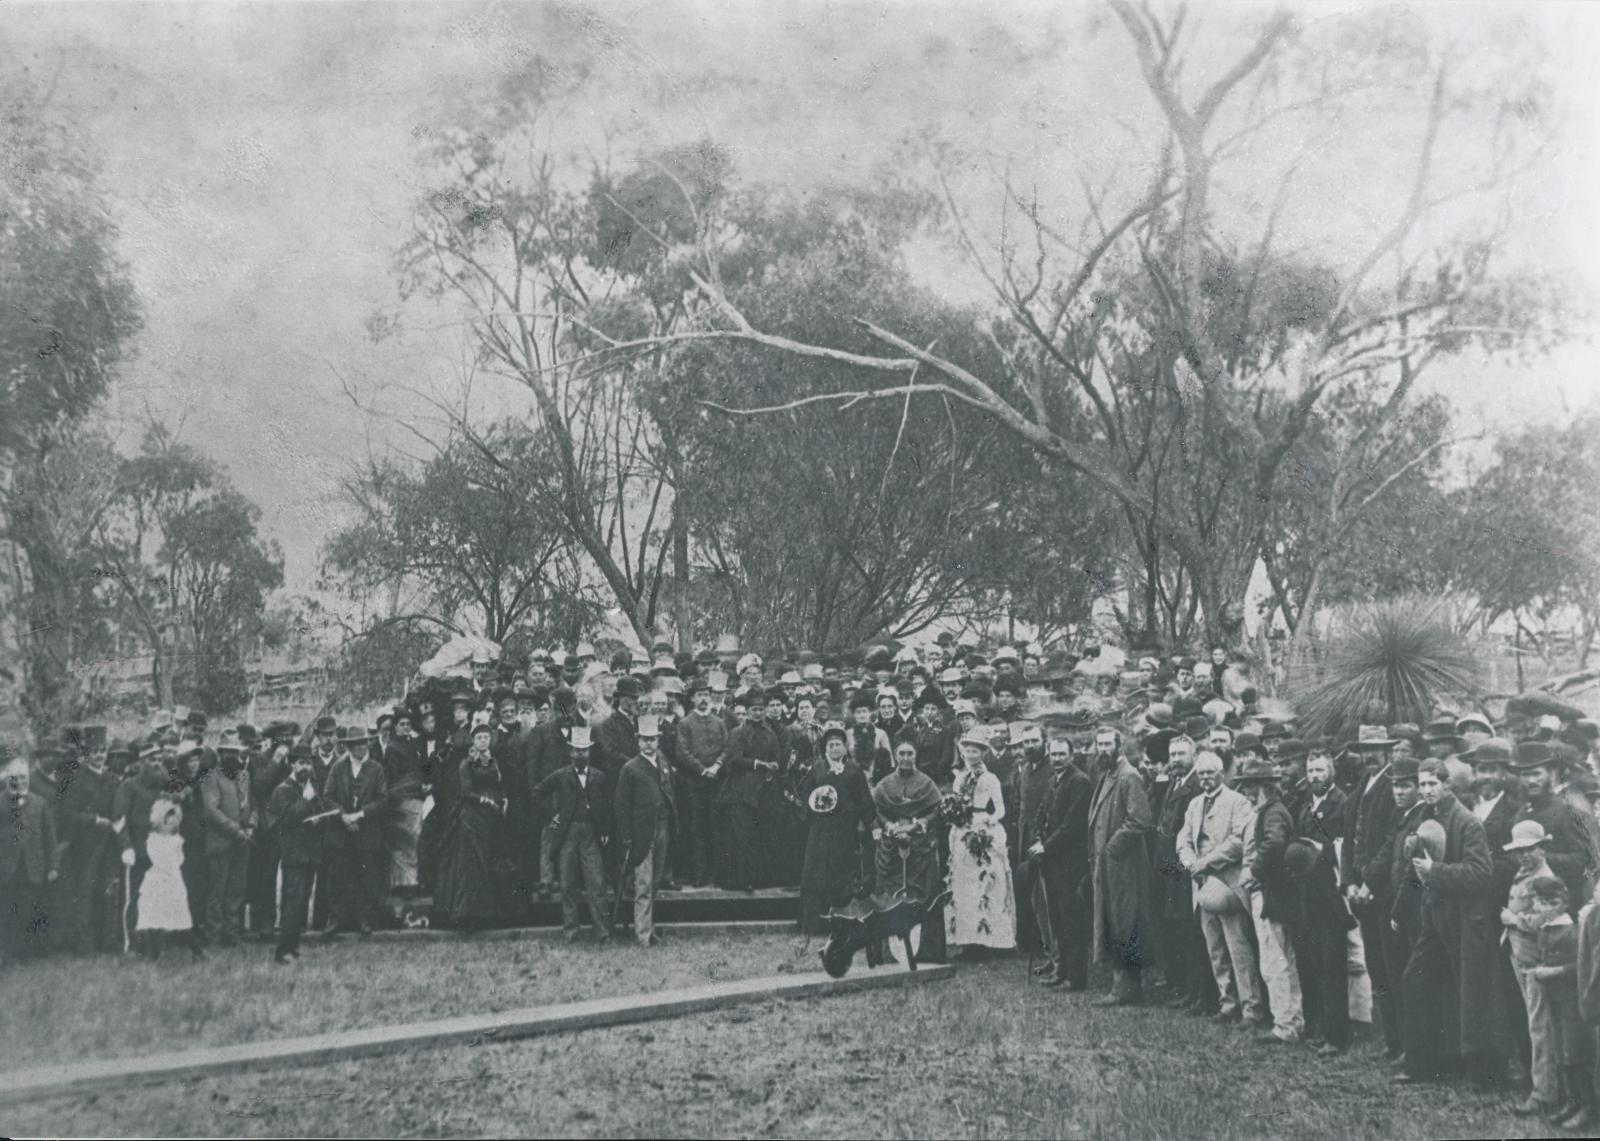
x: 472, y: 847
x: 839, y: 805
x: 907, y: 803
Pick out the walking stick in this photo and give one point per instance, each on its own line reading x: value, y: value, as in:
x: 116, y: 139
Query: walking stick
x: 616, y: 906
x: 127, y: 902
x: 1044, y: 890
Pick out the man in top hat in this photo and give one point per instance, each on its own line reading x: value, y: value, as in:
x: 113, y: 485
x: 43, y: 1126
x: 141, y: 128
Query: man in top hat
x: 578, y: 807
x: 358, y: 789
x: 545, y: 753
x: 85, y: 809
x: 1211, y: 848
x: 1453, y: 963
x: 617, y: 737
x: 1572, y: 850
x: 645, y: 806
x: 1367, y: 833
x: 230, y: 819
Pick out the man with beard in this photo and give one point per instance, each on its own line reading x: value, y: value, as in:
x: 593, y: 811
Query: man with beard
x: 1368, y: 830
x: 1396, y: 892
x: 1119, y: 820
x: 85, y: 807
x: 1060, y: 855
x: 870, y: 746
x: 1026, y: 796
x: 293, y: 805
x: 1571, y: 850
x: 754, y: 757
x: 1322, y: 953
x: 230, y: 830
x: 356, y: 787
x: 29, y: 863
x: 1452, y: 965
x: 1182, y: 942
x: 267, y: 764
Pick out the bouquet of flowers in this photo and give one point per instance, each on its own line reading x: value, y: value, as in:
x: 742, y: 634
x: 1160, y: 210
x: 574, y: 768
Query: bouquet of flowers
x: 955, y: 810
x: 980, y: 843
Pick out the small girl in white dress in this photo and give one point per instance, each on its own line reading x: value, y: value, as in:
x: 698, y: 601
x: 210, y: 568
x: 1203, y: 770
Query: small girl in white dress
x: 163, y: 900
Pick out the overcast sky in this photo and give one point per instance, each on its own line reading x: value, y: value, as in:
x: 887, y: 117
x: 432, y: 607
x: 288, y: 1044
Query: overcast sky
x: 260, y: 161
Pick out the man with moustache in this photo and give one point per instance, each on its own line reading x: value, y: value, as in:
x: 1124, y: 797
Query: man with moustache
x: 1119, y: 820
x: 1322, y: 954
x: 1368, y: 828
x: 1059, y: 858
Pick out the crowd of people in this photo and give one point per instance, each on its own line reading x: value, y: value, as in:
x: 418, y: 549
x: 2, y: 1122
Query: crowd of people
x: 1155, y: 821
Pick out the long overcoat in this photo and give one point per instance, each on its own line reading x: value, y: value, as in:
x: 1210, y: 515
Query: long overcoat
x: 1119, y: 821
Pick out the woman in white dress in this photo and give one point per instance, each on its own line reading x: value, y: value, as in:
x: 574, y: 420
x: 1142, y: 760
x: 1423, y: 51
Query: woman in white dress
x: 983, y: 910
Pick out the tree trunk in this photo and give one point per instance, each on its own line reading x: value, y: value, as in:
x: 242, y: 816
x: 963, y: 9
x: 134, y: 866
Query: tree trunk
x: 1308, y: 609
x: 45, y: 633
x: 680, y: 581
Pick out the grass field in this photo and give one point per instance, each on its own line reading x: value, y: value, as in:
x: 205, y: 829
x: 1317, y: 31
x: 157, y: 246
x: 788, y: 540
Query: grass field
x: 984, y: 1054
x: 71, y: 1009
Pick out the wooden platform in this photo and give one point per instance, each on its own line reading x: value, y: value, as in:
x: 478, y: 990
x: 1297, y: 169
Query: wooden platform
x: 553, y: 932
x: 470, y: 1030
x: 683, y: 905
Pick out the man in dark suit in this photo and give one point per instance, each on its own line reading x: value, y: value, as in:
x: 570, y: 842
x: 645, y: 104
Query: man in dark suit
x: 575, y: 802
x: 1062, y: 853
x: 1368, y: 833
x: 753, y: 757
x: 85, y: 804
x: 1323, y: 951
x: 546, y: 753
x: 616, y: 739
x: 357, y: 788
x: 645, y: 809
x: 28, y: 862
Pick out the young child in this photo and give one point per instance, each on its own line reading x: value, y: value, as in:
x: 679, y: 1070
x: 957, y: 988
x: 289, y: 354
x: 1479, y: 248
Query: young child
x: 163, y: 900
x: 1545, y: 955
x: 1588, y: 987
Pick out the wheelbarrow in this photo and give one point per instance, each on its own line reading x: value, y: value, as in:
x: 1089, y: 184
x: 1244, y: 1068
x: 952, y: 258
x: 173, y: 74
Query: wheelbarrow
x: 868, y: 922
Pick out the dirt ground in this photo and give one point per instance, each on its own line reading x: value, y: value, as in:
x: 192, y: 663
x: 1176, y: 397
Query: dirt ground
x: 984, y: 1054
